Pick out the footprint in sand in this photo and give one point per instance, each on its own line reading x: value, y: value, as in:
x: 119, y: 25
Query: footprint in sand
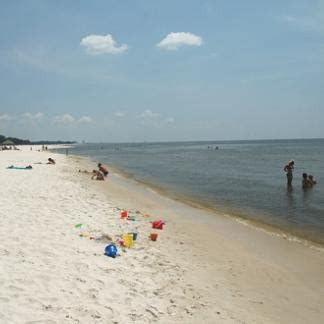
x: 93, y: 293
x: 110, y: 311
x: 4, y: 252
x: 41, y: 322
x: 135, y: 317
x: 153, y: 311
x: 171, y: 309
x: 12, y: 288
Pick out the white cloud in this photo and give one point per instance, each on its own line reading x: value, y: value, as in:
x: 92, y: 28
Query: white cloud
x: 263, y: 77
x: 65, y: 119
x: 69, y: 120
x: 152, y: 119
x: 29, y: 116
x: 5, y: 117
x: 102, y: 44
x: 149, y: 114
x: 85, y: 120
x: 174, y: 41
x: 304, y: 22
x: 310, y: 20
x: 169, y: 120
x: 120, y: 114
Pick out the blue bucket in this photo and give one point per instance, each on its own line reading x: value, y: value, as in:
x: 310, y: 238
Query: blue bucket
x: 111, y: 250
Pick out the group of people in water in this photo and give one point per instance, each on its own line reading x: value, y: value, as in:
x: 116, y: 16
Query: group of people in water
x: 308, y: 181
x: 99, y: 174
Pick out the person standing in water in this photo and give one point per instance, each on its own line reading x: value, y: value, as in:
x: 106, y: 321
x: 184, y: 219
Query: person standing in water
x: 289, y: 168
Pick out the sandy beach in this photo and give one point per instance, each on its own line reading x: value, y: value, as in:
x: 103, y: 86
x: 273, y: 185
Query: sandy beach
x: 203, y: 267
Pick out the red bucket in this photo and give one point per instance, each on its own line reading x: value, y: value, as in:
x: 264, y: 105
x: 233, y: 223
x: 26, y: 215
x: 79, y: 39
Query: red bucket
x: 157, y: 224
x: 153, y: 236
x: 124, y: 214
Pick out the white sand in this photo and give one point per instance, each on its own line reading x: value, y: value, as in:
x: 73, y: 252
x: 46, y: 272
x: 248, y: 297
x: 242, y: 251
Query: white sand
x: 203, y: 268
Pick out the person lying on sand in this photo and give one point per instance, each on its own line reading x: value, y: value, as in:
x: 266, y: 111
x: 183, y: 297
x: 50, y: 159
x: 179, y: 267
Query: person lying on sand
x: 19, y: 168
x: 97, y: 175
x: 103, y: 169
x: 50, y: 161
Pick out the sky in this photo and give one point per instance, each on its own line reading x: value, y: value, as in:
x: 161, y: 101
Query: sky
x: 161, y: 70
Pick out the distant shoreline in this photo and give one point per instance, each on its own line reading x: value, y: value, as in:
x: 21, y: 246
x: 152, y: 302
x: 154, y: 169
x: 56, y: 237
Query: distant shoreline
x: 241, y: 141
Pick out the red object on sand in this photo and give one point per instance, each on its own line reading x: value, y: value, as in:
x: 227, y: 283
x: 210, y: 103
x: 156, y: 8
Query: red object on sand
x: 124, y: 214
x: 121, y: 243
x: 157, y: 224
x: 153, y: 236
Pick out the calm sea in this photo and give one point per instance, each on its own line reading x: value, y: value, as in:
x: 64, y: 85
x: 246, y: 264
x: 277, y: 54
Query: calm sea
x: 243, y: 178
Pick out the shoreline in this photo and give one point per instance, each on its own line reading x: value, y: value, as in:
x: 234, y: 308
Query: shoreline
x: 201, y: 268
x: 210, y: 231
x: 218, y: 211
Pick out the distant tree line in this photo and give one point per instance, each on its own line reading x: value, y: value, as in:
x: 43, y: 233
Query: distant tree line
x: 19, y: 141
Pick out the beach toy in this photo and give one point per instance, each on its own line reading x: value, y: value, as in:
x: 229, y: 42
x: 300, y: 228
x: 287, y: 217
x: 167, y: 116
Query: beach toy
x: 121, y: 243
x: 111, y: 250
x: 78, y: 225
x: 158, y: 224
x: 153, y: 236
x: 128, y: 240
x: 134, y: 235
x: 124, y: 214
x: 131, y: 217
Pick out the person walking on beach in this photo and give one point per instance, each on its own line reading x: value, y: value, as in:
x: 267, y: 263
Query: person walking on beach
x: 289, y: 168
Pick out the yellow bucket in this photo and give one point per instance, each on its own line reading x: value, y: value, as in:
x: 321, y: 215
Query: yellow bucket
x: 128, y: 240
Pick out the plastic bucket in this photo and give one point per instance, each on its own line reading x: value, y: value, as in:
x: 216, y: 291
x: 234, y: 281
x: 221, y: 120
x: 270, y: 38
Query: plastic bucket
x: 124, y: 214
x: 153, y: 236
x: 134, y: 235
x: 157, y: 224
x: 128, y: 240
x: 111, y: 250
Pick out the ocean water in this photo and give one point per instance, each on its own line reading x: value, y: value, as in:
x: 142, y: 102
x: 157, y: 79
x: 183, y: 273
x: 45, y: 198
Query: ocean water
x: 243, y: 178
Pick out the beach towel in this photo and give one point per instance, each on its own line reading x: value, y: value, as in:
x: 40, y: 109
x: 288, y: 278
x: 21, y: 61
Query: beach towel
x: 29, y: 167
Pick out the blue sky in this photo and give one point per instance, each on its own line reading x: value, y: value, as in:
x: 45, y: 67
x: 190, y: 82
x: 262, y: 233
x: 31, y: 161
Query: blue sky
x: 144, y: 70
